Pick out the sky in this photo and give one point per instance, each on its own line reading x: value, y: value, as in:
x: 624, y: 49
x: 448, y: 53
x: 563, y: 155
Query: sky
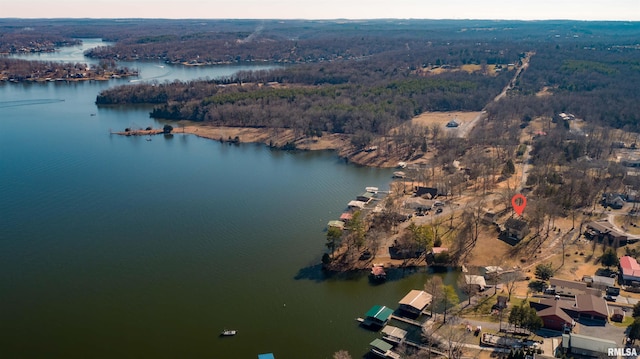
x: 326, y: 9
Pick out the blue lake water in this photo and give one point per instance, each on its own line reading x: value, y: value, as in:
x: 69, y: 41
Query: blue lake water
x: 116, y: 246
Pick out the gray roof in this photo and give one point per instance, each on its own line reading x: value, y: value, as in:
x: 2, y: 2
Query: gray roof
x: 592, y: 344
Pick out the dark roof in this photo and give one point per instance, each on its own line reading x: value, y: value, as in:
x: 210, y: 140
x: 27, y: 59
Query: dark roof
x: 421, y: 191
x: 515, y: 224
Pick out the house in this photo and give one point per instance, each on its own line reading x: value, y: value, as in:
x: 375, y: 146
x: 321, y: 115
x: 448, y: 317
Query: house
x: 577, y: 344
x: 613, y: 200
x: 418, y: 204
x: 630, y: 269
x: 426, y: 192
x: 592, y: 307
x: 557, y: 314
x: 477, y: 280
x: 377, y: 316
x: 604, y: 230
x: 415, y: 302
x: 516, y: 228
x: 553, y: 314
x: 618, y: 315
x: 571, y: 288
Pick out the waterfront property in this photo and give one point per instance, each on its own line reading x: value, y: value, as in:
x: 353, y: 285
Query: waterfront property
x: 415, y: 302
x: 377, y: 317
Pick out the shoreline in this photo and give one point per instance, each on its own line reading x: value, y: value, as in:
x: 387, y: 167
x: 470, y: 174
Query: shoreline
x: 280, y: 138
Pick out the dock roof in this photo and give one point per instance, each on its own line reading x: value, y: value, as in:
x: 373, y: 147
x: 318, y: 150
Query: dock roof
x: 417, y: 299
x: 381, y: 345
x: 394, y: 332
x: 379, y: 312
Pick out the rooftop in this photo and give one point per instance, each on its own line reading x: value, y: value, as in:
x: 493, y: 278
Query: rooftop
x: 418, y: 299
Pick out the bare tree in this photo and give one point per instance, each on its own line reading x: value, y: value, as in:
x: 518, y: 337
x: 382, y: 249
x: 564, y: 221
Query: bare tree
x: 510, y: 281
x: 433, y: 286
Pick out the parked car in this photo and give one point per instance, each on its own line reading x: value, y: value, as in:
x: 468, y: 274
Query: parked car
x: 439, y: 210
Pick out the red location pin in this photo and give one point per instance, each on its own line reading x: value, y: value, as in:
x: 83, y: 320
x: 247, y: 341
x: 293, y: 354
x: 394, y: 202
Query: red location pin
x: 519, y: 202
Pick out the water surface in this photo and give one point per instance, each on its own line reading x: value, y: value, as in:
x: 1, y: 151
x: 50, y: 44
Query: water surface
x: 116, y: 246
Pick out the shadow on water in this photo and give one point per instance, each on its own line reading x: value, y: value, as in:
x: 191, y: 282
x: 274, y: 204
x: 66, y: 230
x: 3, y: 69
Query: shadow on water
x: 317, y: 274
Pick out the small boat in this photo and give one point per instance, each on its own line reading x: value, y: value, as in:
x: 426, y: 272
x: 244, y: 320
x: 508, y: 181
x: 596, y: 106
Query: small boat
x: 228, y: 333
x: 149, y: 139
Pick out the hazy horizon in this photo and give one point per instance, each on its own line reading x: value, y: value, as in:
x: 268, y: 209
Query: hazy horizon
x: 586, y: 10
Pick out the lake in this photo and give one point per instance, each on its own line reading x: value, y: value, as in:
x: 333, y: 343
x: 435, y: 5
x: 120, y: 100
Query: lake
x: 114, y: 246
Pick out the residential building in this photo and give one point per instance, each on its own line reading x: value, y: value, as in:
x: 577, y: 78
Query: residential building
x: 571, y: 288
x: 630, y: 269
x: 516, y: 228
x: 561, y: 315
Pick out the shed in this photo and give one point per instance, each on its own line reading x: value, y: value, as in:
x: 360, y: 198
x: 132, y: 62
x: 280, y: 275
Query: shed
x: 415, y: 301
x: 618, y: 315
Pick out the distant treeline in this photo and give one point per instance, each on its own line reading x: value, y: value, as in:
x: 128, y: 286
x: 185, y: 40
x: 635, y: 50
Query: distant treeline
x: 347, y: 76
x: 595, y: 82
x: 341, y: 97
